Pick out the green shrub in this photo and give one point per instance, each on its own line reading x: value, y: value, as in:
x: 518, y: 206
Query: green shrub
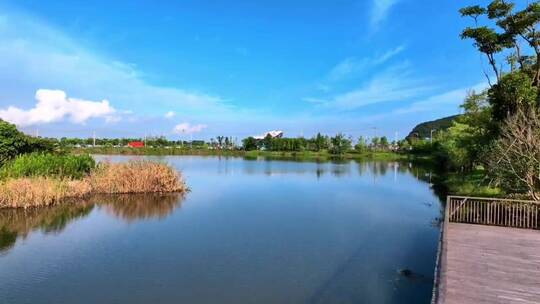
x: 49, y: 165
x: 13, y: 143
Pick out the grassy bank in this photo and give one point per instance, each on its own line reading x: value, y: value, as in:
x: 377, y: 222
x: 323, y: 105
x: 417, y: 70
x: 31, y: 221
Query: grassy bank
x: 302, y: 155
x: 471, y: 183
x: 43, y: 179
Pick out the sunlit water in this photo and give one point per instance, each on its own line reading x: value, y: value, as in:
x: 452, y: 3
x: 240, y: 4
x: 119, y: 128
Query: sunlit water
x: 250, y: 231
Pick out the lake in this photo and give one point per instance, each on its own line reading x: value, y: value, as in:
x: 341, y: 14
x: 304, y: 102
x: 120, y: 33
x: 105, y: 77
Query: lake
x: 249, y: 231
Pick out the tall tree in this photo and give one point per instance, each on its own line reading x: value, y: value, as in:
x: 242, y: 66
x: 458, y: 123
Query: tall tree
x: 517, y: 86
x: 249, y: 144
x: 340, y: 144
x: 514, y: 28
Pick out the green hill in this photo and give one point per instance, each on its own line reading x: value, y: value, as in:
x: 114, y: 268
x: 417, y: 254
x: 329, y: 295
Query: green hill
x: 423, y: 130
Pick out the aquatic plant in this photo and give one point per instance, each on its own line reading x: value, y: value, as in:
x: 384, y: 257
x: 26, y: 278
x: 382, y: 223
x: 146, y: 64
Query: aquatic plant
x: 49, y: 165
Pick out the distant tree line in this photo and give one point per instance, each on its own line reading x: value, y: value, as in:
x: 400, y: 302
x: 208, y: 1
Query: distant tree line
x: 338, y: 144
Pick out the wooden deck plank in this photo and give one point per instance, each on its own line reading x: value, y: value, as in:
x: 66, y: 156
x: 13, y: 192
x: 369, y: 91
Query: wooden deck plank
x: 488, y: 264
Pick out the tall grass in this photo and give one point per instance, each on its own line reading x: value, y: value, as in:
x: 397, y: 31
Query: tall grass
x: 27, y: 188
x: 40, y: 191
x: 136, y: 177
x: 49, y: 165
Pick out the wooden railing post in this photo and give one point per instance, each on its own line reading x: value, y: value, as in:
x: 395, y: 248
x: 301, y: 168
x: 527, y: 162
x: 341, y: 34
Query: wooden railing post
x: 493, y: 211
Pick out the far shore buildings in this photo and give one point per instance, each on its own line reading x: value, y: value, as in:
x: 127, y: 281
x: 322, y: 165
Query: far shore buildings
x: 136, y: 144
x: 273, y: 134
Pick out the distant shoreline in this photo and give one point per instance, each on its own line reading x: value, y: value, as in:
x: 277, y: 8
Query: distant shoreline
x: 301, y: 155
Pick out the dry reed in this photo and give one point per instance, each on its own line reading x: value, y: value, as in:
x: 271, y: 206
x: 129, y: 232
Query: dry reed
x: 40, y: 191
x: 106, y: 178
x: 136, y: 177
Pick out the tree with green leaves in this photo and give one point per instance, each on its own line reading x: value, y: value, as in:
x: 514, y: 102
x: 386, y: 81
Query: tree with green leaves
x: 320, y: 142
x: 384, y: 142
x: 249, y: 144
x: 498, y: 128
x: 514, y: 27
x: 517, y: 73
x: 340, y: 144
x: 361, y: 146
x: 220, y: 141
x: 375, y: 142
x: 462, y: 145
x: 13, y: 143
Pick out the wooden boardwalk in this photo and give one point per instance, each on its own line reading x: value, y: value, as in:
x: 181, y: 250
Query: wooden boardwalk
x: 489, y: 264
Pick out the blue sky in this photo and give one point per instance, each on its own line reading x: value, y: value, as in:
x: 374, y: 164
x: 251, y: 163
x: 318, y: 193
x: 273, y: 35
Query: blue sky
x: 233, y: 68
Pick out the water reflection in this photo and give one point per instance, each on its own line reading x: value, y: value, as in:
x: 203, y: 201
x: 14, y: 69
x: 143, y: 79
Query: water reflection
x: 19, y: 223
x: 254, y: 231
x: 133, y: 207
x: 340, y: 168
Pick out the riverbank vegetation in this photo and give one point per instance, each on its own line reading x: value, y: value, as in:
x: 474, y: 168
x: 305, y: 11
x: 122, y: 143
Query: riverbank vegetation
x: 494, y: 147
x: 39, y: 175
x: 135, y: 177
x: 299, y: 155
x: 35, y: 189
x: 48, y: 165
x: 319, y: 147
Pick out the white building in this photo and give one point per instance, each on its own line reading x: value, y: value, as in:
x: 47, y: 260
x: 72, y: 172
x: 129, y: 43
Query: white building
x: 273, y: 134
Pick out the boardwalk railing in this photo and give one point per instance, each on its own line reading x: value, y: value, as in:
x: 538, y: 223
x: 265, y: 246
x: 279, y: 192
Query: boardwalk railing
x: 493, y: 211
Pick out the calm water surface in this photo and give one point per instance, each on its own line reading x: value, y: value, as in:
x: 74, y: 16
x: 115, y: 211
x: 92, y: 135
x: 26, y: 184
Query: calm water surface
x: 250, y: 231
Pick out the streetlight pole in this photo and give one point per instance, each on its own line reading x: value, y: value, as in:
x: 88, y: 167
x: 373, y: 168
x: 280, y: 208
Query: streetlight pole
x: 431, y: 135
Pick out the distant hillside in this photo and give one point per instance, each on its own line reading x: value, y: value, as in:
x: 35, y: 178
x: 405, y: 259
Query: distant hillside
x: 423, y: 130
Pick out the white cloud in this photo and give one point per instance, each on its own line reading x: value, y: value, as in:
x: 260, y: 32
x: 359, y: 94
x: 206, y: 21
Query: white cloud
x: 347, y: 67
x: 436, y: 106
x: 170, y: 114
x: 35, y: 55
x: 389, y: 54
x: 393, y: 84
x: 187, y: 128
x: 451, y: 99
x: 54, y: 106
x: 380, y: 10
x: 354, y: 65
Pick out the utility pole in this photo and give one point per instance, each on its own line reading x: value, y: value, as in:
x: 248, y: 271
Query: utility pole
x: 431, y: 135
x: 374, y: 131
x: 94, y: 137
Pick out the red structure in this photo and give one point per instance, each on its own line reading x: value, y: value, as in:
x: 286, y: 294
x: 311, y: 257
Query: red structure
x: 136, y: 144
